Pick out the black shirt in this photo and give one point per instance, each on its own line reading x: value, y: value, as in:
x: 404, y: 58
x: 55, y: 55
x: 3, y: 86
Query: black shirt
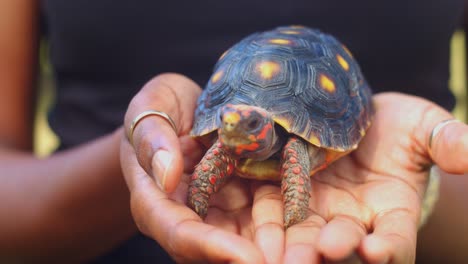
x: 104, y: 51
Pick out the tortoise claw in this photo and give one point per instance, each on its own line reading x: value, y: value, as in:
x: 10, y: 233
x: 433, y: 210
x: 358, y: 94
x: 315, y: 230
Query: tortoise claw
x: 199, y: 203
x: 294, y: 215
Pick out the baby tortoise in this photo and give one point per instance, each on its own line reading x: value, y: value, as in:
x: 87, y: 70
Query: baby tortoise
x: 280, y: 105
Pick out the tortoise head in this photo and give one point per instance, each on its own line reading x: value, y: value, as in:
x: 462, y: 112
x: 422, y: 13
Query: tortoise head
x: 247, y: 132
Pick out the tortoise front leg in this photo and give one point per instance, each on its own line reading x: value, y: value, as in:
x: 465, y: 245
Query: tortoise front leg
x: 295, y: 185
x: 209, y: 176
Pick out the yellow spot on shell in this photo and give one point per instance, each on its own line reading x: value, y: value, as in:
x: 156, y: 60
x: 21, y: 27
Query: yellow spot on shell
x: 290, y: 32
x: 283, y: 122
x: 327, y: 83
x: 344, y: 64
x: 217, y: 76
x: 314, y: 140
x: 347, y: 50
x: 296, y: 26
x: 362, y: 132
x: 268, y: 69
x: 280, y: 41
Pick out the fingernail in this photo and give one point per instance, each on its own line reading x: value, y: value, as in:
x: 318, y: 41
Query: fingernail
x: 161, y: 162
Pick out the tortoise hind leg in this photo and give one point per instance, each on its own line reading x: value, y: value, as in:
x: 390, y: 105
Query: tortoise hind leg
x: 208, y: 177
x: 295, y: 185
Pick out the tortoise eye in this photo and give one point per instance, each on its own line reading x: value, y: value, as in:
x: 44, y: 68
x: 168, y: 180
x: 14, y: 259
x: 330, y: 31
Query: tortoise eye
x: 253, y: 124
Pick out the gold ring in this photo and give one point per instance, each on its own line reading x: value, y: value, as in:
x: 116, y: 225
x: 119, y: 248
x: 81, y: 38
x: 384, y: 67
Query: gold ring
x: 145, y: 114
x: 436, y: 131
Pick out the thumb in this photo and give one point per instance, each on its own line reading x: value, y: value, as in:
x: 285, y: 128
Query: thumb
x: 448, y: 145
x: 169, y: 100
x: 158, y: 152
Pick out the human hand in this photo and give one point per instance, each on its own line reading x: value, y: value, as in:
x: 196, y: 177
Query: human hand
x: 367, y: 204
x: 156, y: 170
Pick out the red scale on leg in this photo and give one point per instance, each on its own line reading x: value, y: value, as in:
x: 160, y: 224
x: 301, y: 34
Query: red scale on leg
x: 289, y: 152
x: 208, y: 177
x: 296, y: 170
x: 301, y: 181
x: 300, y: 189
x: 213, y: 179
x: 205, y: 167
x: 230, y: 168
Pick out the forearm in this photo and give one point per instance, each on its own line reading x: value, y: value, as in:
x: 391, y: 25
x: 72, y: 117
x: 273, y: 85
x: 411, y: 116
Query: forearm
x: 443, y: 239
x: 18, y: 60
x: 73, y: 203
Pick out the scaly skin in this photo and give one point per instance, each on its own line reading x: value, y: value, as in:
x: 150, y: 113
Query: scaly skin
x: 209, y: 176
x: 295, y: 185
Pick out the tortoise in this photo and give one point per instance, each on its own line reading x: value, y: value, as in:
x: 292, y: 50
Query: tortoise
x: 280, y: 105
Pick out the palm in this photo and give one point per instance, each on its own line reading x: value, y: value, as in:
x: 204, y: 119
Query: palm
x: 230, y: 208
x: 367, y: 202
x: 376, y: 189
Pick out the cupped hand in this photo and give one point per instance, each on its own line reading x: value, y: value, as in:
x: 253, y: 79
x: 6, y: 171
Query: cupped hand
x: 367, y: 204
x: 156, y: 168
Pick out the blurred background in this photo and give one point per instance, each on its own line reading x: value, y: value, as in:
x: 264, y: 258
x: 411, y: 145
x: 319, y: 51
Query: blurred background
x: 45, y: 141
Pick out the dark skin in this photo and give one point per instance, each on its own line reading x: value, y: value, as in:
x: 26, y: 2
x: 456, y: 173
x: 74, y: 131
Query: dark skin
x: 87, y: 180
x: 46, y: 201
x: 367, y: 203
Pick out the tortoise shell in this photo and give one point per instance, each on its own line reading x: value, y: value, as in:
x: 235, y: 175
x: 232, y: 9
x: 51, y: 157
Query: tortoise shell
x: 306, y: 79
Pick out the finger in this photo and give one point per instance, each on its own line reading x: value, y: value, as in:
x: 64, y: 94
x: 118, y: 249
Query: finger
x: 154, y: 139
x: 177, y: 228
x: 135, y: 175
x: 301, y: 241
x: 172, y: 93
x: 180, y: 231
x: 184, y: 236
x: 267, y: 215
x: 204, y: 242
x: 450, y: 147
x: 418, y: 117
x: 393, y: 239
x: 159, y: 153
x: 340, y: 238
